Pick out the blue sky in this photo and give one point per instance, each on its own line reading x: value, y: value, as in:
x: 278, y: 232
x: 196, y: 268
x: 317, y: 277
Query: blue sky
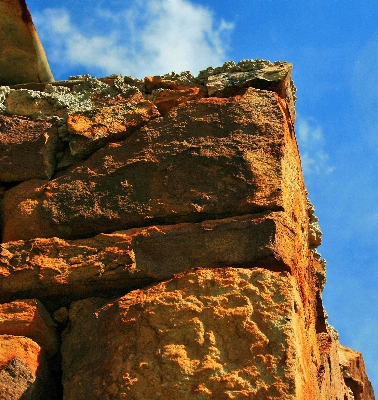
x: 334, y: 48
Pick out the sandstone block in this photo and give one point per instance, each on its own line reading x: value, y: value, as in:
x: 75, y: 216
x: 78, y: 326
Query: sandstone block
x: 22, y: 57
x: 354, y: 373
x: 181, y: 341
x: 233, y: 79
x: 165, y: 100
x: 91, y: 130
x: 228, y: 80
x: 29, y: 318
x: 34, y: 104
x: 24, y: 373
x: 168, y: 92
x: 58, y: 270
x: 206, y: 159
x: 27, y: 149
x: 329, y: 375
x: 152, y: 83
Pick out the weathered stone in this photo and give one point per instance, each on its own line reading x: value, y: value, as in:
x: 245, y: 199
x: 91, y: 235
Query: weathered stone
x: 329, y: 376
x: 91, y: 130
x: 62, y: 270
x: 206, y: 159
x: 22, y: 57
x: 163, y: 82
x: 275, y: 77
x: 165, y: 100
x: 24, y: 372
x: 354, y: 374
x: 62, y: 98
x: 30, y: 103
x: 27, y: 149
x: 4, y: 92
x: 29, y: 318
x: 205, y: 202
x: 181, y: 341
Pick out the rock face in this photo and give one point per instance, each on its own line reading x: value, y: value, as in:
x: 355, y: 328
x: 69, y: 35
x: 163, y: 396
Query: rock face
x: 182, y: 340
x: 22, y: 57
x: 157, y: 243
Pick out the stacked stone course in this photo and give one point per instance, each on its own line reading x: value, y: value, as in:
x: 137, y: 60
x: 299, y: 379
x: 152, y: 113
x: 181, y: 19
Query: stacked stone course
x: 157, y: 243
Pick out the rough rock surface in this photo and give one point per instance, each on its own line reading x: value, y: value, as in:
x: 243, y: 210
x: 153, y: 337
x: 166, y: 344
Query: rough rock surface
x: 29, y: 318
x: 163, y: 225
x: 213, y: 165
x: 181, y: 340
x: 24, y: 371
x: 27, y: 149
x: 353, y: 370
x: 69, y: 269
x: 22, y: 57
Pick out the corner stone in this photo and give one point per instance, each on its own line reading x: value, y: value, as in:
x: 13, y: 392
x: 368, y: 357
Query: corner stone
x: 181, y: 340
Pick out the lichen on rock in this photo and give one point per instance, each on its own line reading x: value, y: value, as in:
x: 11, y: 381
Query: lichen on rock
x: 164, y: 225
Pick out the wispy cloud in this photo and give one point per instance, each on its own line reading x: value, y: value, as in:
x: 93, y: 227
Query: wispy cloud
x: 365, y: 90
x: 149, y: 37
x: 315, y: 160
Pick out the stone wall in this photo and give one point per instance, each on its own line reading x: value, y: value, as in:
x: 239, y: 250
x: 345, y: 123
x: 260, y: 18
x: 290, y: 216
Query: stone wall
x: 157, y: 243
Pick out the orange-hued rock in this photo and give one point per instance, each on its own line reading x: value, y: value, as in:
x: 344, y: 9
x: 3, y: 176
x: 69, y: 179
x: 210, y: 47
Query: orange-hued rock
x: 341, y: 374
x: 259, y: 74
x: 164, y: 225
x: 22, y: 57
x: 353, y: 370
x: 29, y: 318
x: 59, y: 270
x: 167, y: 99
x: 91, y: 130
x: 205, y: 159
x: 24, y: 372
x: 27, y: 149
x: 168, y: 93
x: 329, y: 376
x: 172, y: 81
x: 206, y: 334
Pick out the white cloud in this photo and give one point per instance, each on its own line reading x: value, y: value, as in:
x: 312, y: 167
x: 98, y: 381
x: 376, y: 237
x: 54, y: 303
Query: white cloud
x: 315, y: 160
x: 149, y: 37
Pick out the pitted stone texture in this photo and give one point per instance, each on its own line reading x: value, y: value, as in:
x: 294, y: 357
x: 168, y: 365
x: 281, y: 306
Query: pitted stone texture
x: 329, y: 375
x: 354, y: 374
x: 27, y: 149
x: 207, y: 158
x: 275, y: 77
x: 24, y: 373
x: 165, y: 100
x: 29, y: 318
x: 168, y: 93
x: 181, y: 341
x: 34, y: 104
x: 91, y: 130
x: 79, y: 96
x: 58, y: 270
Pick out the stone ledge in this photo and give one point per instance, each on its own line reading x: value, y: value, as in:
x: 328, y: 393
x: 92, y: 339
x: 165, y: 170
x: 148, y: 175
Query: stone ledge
x: 57, y: 271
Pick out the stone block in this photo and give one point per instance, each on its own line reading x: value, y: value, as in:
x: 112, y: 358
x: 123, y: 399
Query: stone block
x: 205, y: 334
x: 27, y: 149
x: 59, y: 271
x: 24, y: 371
x: 29, y: 318
x: 206, y: 159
